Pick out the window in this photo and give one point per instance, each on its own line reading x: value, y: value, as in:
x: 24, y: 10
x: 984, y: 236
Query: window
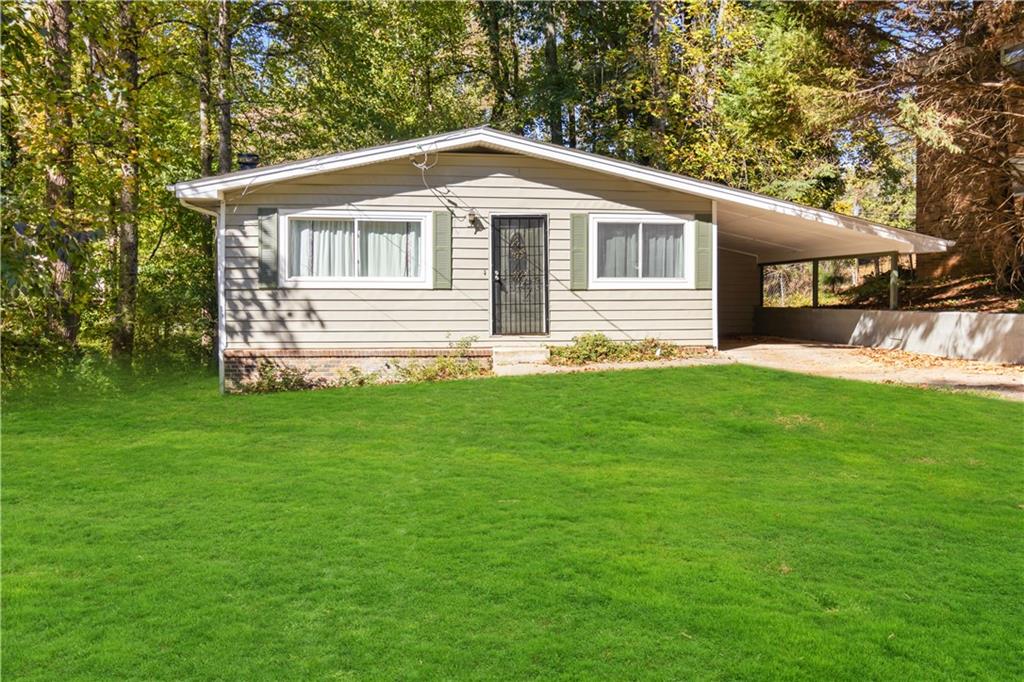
x: 355, y: 250
x: 641, y: 251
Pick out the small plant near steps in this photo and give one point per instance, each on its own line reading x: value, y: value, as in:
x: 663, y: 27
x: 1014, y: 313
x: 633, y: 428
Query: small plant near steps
x: 594, y: 348
x: 457, y: 365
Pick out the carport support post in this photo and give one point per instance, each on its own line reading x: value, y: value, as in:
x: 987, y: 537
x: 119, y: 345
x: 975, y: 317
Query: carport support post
x: 894, y: 282
x: 814, y: 283
x: 760, y: 279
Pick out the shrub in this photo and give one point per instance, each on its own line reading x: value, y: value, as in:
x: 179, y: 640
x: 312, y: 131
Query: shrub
x: 357, y: 377
x: 590, y: 348
x: 271, y: 378
x: 456, y: 365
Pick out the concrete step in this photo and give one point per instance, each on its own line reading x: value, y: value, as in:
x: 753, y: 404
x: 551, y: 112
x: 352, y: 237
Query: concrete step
x: 519, y: 355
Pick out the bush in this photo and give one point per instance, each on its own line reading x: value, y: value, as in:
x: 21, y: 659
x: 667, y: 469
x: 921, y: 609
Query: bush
x: 271, y: 378
x: 457, y: 365
x: 357, y: 377
x: 590, y: 348
x: 441, y: 368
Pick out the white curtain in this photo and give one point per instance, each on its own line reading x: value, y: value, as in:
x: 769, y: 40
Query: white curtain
x: 321, y: 248
x: 618, y: 250
x: 389, y: 248
x: 663, y: 250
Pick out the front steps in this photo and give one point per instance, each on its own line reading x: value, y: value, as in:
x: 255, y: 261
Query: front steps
x: 509, y: 360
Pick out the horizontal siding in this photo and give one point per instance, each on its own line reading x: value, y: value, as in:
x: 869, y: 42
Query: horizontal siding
x: 738, y: 280
x: 491, y: 183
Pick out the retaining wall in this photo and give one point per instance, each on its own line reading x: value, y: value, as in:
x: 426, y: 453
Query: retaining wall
x: 991, y: 337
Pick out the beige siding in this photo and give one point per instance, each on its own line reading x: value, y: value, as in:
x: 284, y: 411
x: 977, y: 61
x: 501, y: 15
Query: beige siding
x: 738, y: 279
x: 391, y: 318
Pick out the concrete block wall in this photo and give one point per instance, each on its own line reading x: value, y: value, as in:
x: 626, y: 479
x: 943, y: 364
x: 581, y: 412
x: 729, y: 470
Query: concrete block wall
x: 988, y: 337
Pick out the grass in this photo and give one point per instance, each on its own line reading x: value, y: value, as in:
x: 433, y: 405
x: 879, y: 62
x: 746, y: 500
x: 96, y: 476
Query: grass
x: 699, y: 523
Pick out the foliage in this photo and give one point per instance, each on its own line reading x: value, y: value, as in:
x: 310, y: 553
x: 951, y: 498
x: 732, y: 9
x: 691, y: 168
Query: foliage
x: 354, y: 376
x: 932, y: 73
x: 408, y: 531
x: 441, y: 368
x: 873, y: 292
x: 591, y: 348
x: 833, y: 276
x: 812, y: 102
x: 271, y: 378
x: 457, y: 364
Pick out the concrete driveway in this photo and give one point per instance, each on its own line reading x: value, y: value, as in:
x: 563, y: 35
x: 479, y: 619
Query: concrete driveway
x: 877, y: 365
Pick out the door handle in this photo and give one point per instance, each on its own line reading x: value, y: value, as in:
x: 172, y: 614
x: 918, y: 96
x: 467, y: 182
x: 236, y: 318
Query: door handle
x: 497, y: 276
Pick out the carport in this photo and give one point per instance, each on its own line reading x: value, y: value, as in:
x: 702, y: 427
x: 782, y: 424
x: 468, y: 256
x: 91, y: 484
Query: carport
x: 773, y: 232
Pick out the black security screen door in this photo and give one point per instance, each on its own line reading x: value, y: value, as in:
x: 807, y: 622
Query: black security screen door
x: 519, y: 262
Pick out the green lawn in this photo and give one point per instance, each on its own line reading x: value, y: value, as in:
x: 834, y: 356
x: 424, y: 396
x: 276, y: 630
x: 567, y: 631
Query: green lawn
x: 716, y: 523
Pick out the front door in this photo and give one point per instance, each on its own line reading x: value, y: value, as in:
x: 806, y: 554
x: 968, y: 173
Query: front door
x: 519, y: 269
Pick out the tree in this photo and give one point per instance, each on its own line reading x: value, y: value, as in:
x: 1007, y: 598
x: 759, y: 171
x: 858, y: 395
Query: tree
x: 225, y: 35
x: 204, y: 82
x: 123, y: 337
x: 553, y: 75
x: 501, y: 21
x: 932, y: 70
x: 60, y: 190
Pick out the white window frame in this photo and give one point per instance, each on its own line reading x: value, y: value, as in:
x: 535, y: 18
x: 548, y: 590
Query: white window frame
x: 424, y: 281
x: 641, y: 282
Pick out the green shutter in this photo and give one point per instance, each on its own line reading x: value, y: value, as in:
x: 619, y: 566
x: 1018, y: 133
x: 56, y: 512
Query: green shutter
x: 267, y: 219
x: 578, y: 234
x: 442, y: 250
x: 705, y: 253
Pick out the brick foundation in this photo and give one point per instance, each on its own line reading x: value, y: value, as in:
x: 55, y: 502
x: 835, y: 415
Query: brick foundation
x: 329, y: 365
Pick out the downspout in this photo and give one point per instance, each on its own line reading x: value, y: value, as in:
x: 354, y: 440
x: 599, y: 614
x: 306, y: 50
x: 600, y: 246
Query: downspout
x: 221, y: 312
x: 714, y: 273
x: 220, y: 217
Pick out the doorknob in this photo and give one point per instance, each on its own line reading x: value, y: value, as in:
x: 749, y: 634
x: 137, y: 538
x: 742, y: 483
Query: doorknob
x: 497, y: 276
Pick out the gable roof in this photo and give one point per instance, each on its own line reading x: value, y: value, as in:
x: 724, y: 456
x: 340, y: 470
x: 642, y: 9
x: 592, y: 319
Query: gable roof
x: 212, y: 188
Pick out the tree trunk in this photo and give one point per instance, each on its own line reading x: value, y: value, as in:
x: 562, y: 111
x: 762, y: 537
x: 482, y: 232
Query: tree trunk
x: 60, y: 191
x: 554, y: 80
x: 657, y: 90
x: 205, y: 97
x: 111, y: 275
x: 572, y: 127
x: 123, y: 342
x: 492, y: 27
x: 206, y: 168
x: 224, y: 86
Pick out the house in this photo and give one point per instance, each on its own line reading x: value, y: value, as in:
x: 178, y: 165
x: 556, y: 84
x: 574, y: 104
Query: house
x: 401, y: 250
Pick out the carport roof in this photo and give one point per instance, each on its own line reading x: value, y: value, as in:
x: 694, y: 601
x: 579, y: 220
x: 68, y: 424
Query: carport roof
x: 771, y: 229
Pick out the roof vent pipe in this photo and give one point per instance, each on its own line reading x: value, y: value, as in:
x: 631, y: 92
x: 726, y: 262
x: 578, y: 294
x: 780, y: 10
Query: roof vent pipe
x: 248, y: 161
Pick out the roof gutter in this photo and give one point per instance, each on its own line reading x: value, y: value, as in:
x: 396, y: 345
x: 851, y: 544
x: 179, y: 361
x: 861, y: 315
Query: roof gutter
x: 199, y: 209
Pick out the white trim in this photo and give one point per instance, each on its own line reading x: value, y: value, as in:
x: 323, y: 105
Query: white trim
x: 222, y: 313
x: 641, y: 282
x: 490, y: 274
x: 744, y: 253
x: 714, y: 273
x: 423, y: 281
x: 208, y: 188
x: 199, y: 209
